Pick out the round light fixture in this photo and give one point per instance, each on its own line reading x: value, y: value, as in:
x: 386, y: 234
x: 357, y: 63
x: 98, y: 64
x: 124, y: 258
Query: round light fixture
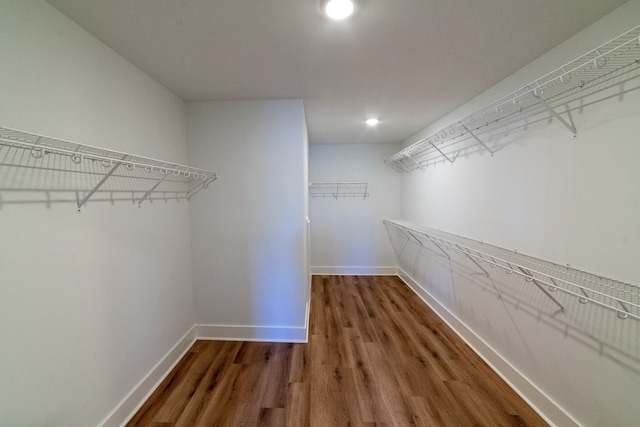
x: 337, y: 9
x: 372, y: 122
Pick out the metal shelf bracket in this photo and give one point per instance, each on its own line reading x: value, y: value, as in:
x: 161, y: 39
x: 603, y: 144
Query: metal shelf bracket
x: 473, y: 135
x: 555, y: 114
x: 99, y: 184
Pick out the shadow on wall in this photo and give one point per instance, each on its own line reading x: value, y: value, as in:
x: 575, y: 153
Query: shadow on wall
x: 594, y: 327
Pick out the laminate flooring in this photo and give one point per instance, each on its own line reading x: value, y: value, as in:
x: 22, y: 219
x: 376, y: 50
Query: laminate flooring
x: 377, y: 355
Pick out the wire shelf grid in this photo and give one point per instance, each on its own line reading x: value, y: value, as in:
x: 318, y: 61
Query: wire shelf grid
x: 619, y: 297
x: 338, y: 190
x: 531, y: 103
x: 66, y: 166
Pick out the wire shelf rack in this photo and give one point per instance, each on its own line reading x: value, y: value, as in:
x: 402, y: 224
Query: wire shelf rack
x: 36, y: 163
x: 621, y: 298
x: 537, y: 101
x: 339, y: 190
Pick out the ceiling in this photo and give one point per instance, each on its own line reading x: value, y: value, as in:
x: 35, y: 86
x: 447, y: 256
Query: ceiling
x: 408, y: 62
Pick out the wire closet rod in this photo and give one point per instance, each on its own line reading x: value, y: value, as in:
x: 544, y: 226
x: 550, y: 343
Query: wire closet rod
x: 619, y: 297
x: 40, y: 145
x: 604, y: 65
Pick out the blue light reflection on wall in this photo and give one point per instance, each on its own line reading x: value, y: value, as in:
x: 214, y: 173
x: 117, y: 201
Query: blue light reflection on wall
x: 278, y: 277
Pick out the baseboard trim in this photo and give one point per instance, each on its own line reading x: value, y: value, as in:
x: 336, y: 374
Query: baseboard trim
x: 536, y: 398
x: 128, y: 407
x: 293, y: 334
x: 143, y: 390
x: 353, y: 271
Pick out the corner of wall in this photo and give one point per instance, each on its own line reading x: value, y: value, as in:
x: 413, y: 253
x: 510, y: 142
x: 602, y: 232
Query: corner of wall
x: 143, y: 390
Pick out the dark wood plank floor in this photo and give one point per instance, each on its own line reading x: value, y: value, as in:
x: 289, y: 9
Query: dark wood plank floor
x: 377, y: 355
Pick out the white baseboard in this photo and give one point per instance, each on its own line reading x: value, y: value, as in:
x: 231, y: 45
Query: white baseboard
x: 128, y: 407
x: 354, y: 271
x: 143, y: 390
x: 294, y: 334
x: 536, y: 398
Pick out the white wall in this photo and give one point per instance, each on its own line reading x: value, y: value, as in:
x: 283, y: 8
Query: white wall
x: 249, y: 232
x: 89, y: 302
x: 569, y: 201
x: 347, y: 235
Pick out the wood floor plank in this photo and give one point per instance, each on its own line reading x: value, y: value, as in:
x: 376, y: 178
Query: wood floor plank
x: 224, y: 354
x: 298, y: 408
x: 377, y: 355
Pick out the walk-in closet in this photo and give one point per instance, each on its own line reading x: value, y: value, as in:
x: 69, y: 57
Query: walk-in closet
x: 319, y: 213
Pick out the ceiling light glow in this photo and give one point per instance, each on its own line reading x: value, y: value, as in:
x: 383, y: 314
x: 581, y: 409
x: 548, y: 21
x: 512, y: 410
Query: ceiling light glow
x: 338, y: 9
x: 372, y: 122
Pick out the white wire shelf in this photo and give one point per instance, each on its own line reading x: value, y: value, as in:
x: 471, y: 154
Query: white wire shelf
x: 31, y: 163
x: 604, y: 66
x: 621, y: 298
x: 339, y: 190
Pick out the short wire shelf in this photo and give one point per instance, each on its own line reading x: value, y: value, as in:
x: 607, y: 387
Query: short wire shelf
x: 619, y: 297
x: 537, y: 101
x: 339, y: 190
x: 31, y: 163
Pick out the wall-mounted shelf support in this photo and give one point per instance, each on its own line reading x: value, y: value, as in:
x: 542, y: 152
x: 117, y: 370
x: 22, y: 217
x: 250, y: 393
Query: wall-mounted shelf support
x: 473, y: 135
x: 99, y: 184
x: 555, y: 114
x: 471, y: 257
x: 619, y: 297
x: 529, y: 278
x: 439, y: 151
x: 608, y: 65
x: 439, y: 247
x: 148, y: 193
x: 32, y: 164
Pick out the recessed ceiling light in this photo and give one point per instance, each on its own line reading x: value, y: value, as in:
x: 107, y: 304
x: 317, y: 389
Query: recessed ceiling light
x: 372, y: 122
x: 337, y: 9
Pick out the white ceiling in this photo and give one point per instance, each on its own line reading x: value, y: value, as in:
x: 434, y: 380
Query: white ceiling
x: 408, y: 62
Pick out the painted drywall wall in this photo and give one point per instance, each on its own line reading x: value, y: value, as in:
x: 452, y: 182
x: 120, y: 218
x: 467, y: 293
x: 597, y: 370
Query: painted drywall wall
x: 347, y: 235
x: 569, y: 201
x: 249, y: 232
x: 89, y: 302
